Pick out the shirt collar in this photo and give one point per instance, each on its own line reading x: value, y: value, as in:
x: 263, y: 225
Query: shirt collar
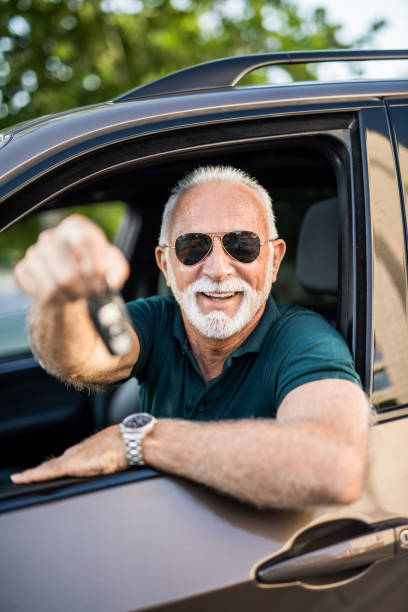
x: 255, y: 340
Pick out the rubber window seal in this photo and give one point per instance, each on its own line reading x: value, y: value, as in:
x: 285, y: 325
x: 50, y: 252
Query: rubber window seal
x: 14, y: 496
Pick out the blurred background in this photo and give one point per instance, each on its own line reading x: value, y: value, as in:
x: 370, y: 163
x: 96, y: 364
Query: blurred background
x: 60, y: 54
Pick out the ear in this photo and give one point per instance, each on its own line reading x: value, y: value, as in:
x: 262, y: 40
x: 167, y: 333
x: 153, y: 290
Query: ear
x: 279, y: 250
x: 161, y: 261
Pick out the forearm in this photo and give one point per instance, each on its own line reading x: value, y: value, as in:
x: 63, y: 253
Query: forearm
x: 262, y: 462
x: 66, y: 343
x: 314, y: 453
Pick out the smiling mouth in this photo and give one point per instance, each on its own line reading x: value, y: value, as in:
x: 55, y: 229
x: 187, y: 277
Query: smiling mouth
x: 220, y: 296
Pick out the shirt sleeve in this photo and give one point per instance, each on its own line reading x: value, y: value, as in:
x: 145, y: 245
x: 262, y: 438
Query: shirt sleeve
x: 148, y: 316
x: 310, y: 349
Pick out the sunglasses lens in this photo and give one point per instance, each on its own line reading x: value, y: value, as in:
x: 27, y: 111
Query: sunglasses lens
x: 243, y: 246
x: 192, y: 248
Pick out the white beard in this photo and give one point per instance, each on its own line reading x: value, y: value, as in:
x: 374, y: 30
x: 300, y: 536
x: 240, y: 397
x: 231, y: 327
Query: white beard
x: 217, y: 324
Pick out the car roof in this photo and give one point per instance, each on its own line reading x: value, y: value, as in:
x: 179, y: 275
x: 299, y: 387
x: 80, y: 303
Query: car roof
x: 201, y: 94
x: 228, y: 71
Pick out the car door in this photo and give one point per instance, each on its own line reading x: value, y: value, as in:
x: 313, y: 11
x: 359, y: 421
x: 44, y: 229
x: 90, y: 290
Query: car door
x: 160, y: 542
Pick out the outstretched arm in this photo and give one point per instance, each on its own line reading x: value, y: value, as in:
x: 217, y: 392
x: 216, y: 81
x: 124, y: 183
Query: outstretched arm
x: 313, y: 453
x: 59, y: 272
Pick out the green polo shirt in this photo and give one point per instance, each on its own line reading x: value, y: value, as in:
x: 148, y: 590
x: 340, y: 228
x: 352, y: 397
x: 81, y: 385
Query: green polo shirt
x: 289, y: 347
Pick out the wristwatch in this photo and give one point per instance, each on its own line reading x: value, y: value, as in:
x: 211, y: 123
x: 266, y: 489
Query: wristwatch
x: 134, y: 428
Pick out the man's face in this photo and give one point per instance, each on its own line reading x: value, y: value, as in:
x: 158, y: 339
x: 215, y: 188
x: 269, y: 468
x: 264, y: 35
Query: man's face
x: 219, y: 295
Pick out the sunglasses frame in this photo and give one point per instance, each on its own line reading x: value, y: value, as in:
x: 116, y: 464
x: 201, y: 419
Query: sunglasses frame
x: 219, y: 235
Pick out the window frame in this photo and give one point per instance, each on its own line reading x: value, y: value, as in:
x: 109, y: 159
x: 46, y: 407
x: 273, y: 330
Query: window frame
x: 334, y: 133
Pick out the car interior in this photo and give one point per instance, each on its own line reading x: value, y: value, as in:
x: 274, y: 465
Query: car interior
x: 305, y: 180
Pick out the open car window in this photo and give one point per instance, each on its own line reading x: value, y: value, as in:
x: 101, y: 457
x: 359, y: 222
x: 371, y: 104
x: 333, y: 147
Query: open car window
x: 307, y: 177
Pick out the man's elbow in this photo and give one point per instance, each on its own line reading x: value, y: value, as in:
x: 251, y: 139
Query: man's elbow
x: 351, y: 469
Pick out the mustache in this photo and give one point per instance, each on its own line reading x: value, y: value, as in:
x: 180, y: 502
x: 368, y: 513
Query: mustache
x: 229, y: 285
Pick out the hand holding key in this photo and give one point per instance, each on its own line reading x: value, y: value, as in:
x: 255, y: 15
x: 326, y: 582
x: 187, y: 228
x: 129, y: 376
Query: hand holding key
x: 71, y: 261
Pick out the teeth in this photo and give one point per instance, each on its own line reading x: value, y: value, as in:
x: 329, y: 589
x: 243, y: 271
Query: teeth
x: 219, y: 295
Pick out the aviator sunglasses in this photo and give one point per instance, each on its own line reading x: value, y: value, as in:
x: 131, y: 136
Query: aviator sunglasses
x: 243, y: 246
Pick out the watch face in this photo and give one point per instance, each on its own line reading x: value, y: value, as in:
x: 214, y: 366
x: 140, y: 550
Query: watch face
x: 137, y: 421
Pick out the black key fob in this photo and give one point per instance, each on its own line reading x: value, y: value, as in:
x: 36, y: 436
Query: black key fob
x: 110, y: 317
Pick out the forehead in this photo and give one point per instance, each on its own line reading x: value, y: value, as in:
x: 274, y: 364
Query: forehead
x: 219, y: 206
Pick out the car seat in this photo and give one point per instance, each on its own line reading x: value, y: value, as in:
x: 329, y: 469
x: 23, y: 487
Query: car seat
x: 317, y: 251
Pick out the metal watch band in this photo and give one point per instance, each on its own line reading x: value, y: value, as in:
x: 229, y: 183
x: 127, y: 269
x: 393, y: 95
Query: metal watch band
x: 133, y: 444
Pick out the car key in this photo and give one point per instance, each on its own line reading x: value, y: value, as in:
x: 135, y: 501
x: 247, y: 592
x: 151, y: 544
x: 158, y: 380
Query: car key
x: 110, y: 317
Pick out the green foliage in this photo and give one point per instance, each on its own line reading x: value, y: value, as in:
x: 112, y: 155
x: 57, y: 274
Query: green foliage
x: 59, y: 54
x: 15, y: 241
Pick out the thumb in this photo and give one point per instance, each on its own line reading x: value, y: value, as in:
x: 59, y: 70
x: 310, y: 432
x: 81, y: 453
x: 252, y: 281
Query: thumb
x: 117, y: 268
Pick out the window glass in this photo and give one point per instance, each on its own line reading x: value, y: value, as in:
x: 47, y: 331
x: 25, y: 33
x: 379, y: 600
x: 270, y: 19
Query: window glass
x: 14, y: 243
x: 390, y: 381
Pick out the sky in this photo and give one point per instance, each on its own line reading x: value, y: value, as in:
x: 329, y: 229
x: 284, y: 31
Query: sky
x: 356, y: 16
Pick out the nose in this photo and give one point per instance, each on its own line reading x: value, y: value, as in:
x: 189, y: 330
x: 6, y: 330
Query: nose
x: 218, y: 264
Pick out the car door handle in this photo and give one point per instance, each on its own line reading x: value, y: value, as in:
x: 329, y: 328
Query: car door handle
x: 351, y: 554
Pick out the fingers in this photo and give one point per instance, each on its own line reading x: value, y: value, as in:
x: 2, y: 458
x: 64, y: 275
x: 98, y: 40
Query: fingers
x: 46, y: 471
x: 103, y: 453
x: 85, y: 247
x: 70, y: 261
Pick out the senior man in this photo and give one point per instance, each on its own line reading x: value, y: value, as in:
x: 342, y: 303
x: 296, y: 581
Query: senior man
x: 286, y: 422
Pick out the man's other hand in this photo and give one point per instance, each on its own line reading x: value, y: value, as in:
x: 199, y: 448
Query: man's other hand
x: 70, y: 261
x: 103, y: 453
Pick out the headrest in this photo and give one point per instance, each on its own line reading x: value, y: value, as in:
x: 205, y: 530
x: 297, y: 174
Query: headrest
x: 317, y: 251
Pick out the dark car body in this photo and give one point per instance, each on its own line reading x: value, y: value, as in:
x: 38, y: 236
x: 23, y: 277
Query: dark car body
x: 334, y: 157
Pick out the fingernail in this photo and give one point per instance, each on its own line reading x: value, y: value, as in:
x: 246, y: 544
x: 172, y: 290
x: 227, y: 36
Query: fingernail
x: 15, y: 478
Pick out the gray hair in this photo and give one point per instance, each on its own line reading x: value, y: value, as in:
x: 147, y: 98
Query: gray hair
x: 208, y: 174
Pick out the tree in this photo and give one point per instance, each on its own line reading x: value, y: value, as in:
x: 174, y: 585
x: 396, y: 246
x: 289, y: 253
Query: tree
x: 59, y: 54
